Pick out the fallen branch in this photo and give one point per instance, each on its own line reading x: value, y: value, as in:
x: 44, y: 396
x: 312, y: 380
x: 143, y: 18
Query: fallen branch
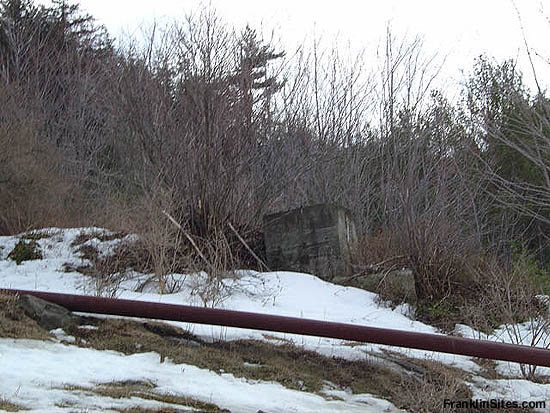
x: 247, y: 247
x: 176, y: 223
x: 378, y: 267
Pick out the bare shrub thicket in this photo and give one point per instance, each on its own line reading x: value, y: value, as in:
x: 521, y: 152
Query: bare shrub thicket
x: 424, y: 211
x: 33, y: 190
x: 203, y: 119
x: 199, y: 138
x: 216, y: 127
x: 516, y: 135
x: 52, y: 68
x: 513, y: 301
x: 522, y: 137
x: 325, y: 106
x: 162, y: 241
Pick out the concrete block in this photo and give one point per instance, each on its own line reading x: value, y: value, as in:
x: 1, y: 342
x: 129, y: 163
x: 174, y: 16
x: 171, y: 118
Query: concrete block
x: 315, y: 239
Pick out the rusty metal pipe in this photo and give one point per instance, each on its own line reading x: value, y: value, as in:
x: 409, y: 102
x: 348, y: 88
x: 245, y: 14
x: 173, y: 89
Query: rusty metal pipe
x: 422, y: 341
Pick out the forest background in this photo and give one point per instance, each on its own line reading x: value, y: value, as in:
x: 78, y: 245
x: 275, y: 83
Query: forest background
x: 216, y: 127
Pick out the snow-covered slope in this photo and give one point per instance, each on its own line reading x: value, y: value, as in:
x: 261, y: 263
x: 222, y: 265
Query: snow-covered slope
x: 34, y: 372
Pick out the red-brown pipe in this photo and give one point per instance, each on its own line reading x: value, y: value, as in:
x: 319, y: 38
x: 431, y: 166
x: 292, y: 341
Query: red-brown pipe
x: 423, y: 341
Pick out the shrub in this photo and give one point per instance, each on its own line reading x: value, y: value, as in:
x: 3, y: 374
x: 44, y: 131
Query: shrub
x: 526, y: 263
x: 508, y: 299
x: 436, y: 254
x: 25, y: 251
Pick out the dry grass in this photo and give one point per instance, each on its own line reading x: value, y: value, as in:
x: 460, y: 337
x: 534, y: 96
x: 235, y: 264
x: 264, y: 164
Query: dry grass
x: 146, y: 391
x: 293, y: 367
x: 38, y: 235
x: 161, y: 410
x: 438, y: 382
x: 124, y: 256
x: 6, y: 405
x: 106, y: 272
x: 100, y: 235
x: 14, y: 323
x: 488, y: 368
x: 427, y: 395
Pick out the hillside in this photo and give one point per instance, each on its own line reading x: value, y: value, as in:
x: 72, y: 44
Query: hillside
x: 116, y: 364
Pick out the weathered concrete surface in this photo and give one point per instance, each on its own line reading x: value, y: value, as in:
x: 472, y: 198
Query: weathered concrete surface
x: 316, y: 239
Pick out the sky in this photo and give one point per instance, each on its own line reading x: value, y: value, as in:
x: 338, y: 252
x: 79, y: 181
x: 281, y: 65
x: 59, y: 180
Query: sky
x: 458, y: 31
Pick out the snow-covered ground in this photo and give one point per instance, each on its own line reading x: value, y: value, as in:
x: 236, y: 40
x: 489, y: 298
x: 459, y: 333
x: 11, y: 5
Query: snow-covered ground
x: 34, y: 373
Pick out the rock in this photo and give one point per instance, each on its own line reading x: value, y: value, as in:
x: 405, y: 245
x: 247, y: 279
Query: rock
x: 48, y: 315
